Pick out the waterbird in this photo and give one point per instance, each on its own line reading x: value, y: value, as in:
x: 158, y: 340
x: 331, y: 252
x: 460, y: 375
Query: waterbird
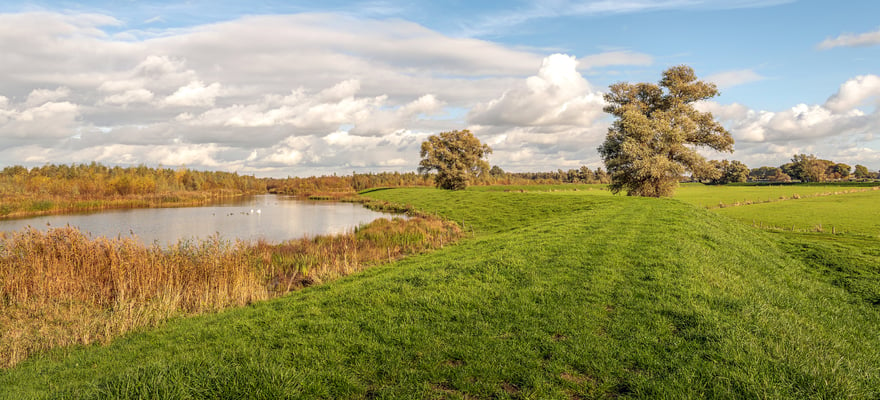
x: 259, y: 211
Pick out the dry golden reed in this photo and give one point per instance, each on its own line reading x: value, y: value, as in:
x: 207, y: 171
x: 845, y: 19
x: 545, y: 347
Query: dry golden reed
x: 61, y: 287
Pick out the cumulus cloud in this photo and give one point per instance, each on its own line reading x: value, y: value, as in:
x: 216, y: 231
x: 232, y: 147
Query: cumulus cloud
x: 195, y: 94
x: 259, y: 93
x: 854, y: 92
x: 41, y: 96
x: 42, y: 123
x: 323, y: 93
x: 321, y: 112
x: 553, y: 118
x: 852, y: 40
x: 837, y: 129
x: 558, y: 95
x: 130, y: 96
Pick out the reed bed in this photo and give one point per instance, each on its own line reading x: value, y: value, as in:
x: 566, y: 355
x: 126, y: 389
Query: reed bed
x: 60, y: 287
x: 18, y: 206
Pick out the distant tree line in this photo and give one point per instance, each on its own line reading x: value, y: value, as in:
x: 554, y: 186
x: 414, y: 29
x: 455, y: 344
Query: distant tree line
x: 97, y: 181
x: 581, y: 175
x: 803, y: 168
x: 809, y: 168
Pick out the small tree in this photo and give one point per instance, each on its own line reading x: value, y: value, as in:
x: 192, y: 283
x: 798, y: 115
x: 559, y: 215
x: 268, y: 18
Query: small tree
x: 862, y: 172
x: 724, y: 172
x: 496, y: 171
x: 837, y: 171
x: 652, y: 142
x: 806, y: 168
x: 764, y: 173
x: 779, y: 176
x: 457, y: 156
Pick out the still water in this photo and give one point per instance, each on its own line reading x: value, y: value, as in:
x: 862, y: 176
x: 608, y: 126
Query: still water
x: 270, y: 217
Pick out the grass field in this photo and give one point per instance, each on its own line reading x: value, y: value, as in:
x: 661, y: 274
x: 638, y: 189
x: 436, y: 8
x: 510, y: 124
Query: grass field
x: 721, y: 196
x: 852, y: 213
x: 559, y: 295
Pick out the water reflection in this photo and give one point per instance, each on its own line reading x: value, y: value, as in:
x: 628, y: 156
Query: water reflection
x: 270, y: 217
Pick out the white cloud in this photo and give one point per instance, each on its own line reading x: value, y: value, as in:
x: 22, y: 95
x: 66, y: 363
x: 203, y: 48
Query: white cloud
x: 852, y: 40
x: 315, y: 93
x: 556, y: 8
x: 837, y: 130
x: 46, y: 122
x: 615, y: 58
x: 195, y: 94
x: 550, y: 120
x: 321, y: 112
x: 41, y: 96
x: 854, y: 92
x: 558, y: 95
x: 342, y: 90
x: 130, y: 96
x: 384, y: 121
x: 728, y: 79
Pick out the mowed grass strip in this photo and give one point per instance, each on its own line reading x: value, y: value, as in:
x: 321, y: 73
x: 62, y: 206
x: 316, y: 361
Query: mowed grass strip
x: 559, y: 295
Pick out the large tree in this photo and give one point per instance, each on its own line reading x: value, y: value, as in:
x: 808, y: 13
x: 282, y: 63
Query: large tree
x: 654, y: 139
x: 457, y: 156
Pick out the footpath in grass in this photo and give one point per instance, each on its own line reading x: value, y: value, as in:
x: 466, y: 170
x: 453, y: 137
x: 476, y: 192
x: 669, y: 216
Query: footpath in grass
x: 558, y: 296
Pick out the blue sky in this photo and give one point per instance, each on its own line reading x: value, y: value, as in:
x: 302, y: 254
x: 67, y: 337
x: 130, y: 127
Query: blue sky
x: 301, y: 88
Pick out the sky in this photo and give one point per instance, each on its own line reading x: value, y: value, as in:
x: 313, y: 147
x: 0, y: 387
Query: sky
x: 300, y: 88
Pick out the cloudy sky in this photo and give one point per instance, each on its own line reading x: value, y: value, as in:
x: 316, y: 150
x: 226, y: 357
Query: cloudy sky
x: 277, y: 88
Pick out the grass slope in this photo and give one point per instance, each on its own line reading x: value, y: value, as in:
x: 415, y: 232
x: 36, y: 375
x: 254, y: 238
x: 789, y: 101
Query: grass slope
x: 559, y: 295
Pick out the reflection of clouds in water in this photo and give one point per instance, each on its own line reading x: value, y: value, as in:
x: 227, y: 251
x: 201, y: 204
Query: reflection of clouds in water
x: 280, y: 218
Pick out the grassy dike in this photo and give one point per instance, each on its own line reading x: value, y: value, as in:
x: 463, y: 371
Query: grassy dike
x: 558, y: 295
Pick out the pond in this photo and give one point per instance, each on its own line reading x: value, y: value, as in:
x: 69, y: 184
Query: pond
x: 270, y: 217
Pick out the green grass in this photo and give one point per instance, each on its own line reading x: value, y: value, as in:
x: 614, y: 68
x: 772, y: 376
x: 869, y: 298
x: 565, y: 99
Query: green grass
x: 719, y: 196
x: 850, y: 262
x: 853, y: 213
x: 559, y: 295
x: 564, y: 187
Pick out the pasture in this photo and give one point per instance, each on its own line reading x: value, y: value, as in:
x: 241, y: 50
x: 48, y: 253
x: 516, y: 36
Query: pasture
x: 851, y: 213
x: 722, y: 196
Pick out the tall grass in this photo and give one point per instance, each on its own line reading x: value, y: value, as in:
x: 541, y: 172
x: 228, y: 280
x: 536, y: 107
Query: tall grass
x: 61, y: 287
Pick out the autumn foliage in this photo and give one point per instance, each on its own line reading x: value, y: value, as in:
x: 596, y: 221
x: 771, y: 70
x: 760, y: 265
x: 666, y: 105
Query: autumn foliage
x: 85, y: 187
